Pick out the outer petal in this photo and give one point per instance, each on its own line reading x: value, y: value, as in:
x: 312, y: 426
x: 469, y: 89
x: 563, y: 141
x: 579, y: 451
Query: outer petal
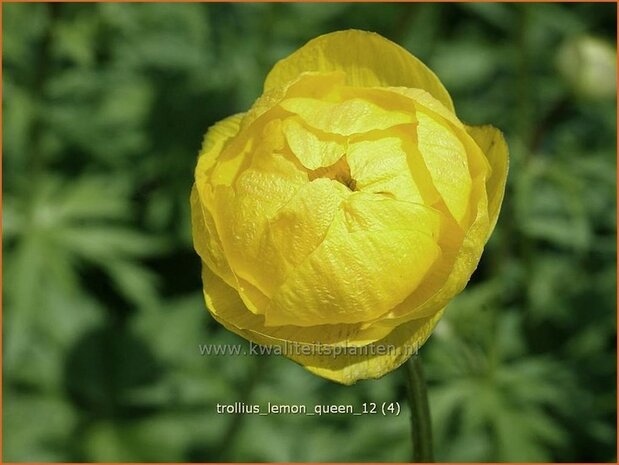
x: 214, y: 140
x: 404, y: 97
x: 349, y: 117
x: 454, y: 271
x: 446, y: 159
x: 367, y: 59
x: 344, y: 279
x: 493, y: 145
x: 379, y: 358
x: 206, y: 241
x: 242, y: 215
x: 205, y: 237
x: 226, y: 306
x: 319, y: 86
x: 348, y: 366
x: 460, y: 256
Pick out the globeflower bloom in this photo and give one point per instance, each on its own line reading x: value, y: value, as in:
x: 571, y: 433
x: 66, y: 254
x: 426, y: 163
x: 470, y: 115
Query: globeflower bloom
x: 338, y: 216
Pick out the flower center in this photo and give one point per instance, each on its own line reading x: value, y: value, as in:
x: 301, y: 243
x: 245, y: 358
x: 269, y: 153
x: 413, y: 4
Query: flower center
x: 338, y: 171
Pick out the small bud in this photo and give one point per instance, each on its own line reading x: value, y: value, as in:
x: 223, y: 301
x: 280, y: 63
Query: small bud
x: 589, y: 66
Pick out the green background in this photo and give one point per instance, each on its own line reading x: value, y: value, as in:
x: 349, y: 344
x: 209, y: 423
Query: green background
x: 104, y: 110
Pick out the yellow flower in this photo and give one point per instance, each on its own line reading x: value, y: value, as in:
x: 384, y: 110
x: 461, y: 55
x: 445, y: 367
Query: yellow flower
x: 338, y: 216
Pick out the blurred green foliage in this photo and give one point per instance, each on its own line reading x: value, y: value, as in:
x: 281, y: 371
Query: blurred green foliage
x: 104, y: 108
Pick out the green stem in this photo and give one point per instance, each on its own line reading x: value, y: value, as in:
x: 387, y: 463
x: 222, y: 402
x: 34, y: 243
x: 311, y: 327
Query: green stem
x: 421, y: 424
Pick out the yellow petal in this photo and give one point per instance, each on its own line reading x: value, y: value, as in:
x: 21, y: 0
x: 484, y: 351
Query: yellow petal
x: 214, y: 140
x: 380, y: 166
x: 260, y: 142
x: 206, y: 239
x: 376, y: 359
x: 205, y: 234
x: 492, y: 143
x: 312, y: 151
x: 226, y: 306
x: 341, y: 353
x: 352, y: 116
x: 210, y: 247
x: 418, y: 97
x: 446, y: 159
x: 375, y: 254
x: 450, y: 274
x: 321, y: 86
x: 242, y: 213
x: 425, y: 100
x: 368, y: 212
x: 367, y: 59
x: 301, y: 225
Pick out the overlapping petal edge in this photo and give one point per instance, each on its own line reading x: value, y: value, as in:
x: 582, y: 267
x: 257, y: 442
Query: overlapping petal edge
x: 402, y: 97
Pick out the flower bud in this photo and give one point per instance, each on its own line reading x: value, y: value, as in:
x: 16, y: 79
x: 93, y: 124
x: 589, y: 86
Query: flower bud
x: 589, y: 66
x: 345, y: 209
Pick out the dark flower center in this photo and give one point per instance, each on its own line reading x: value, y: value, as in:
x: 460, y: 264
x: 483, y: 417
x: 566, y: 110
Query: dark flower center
x: 338, y: 171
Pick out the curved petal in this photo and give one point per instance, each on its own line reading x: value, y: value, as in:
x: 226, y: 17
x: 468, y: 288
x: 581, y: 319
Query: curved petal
x: 380, y: 166
x: 345, y: 118
x: 227, y: 308
x: 205, y: 237
x: 446, y: 160
x: 206, y: 241
x: 319, y: 86
x: 459, y: 262
x: 214, y: 141
x: 312, y: 151
x: 374, y: 360
x: 300, y: 226
x: 492, y: 143
x: 404, y: 98
x: 461, y: 251
x: 241, y: 215
x: 367, y: 59
x: 375, y: 254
